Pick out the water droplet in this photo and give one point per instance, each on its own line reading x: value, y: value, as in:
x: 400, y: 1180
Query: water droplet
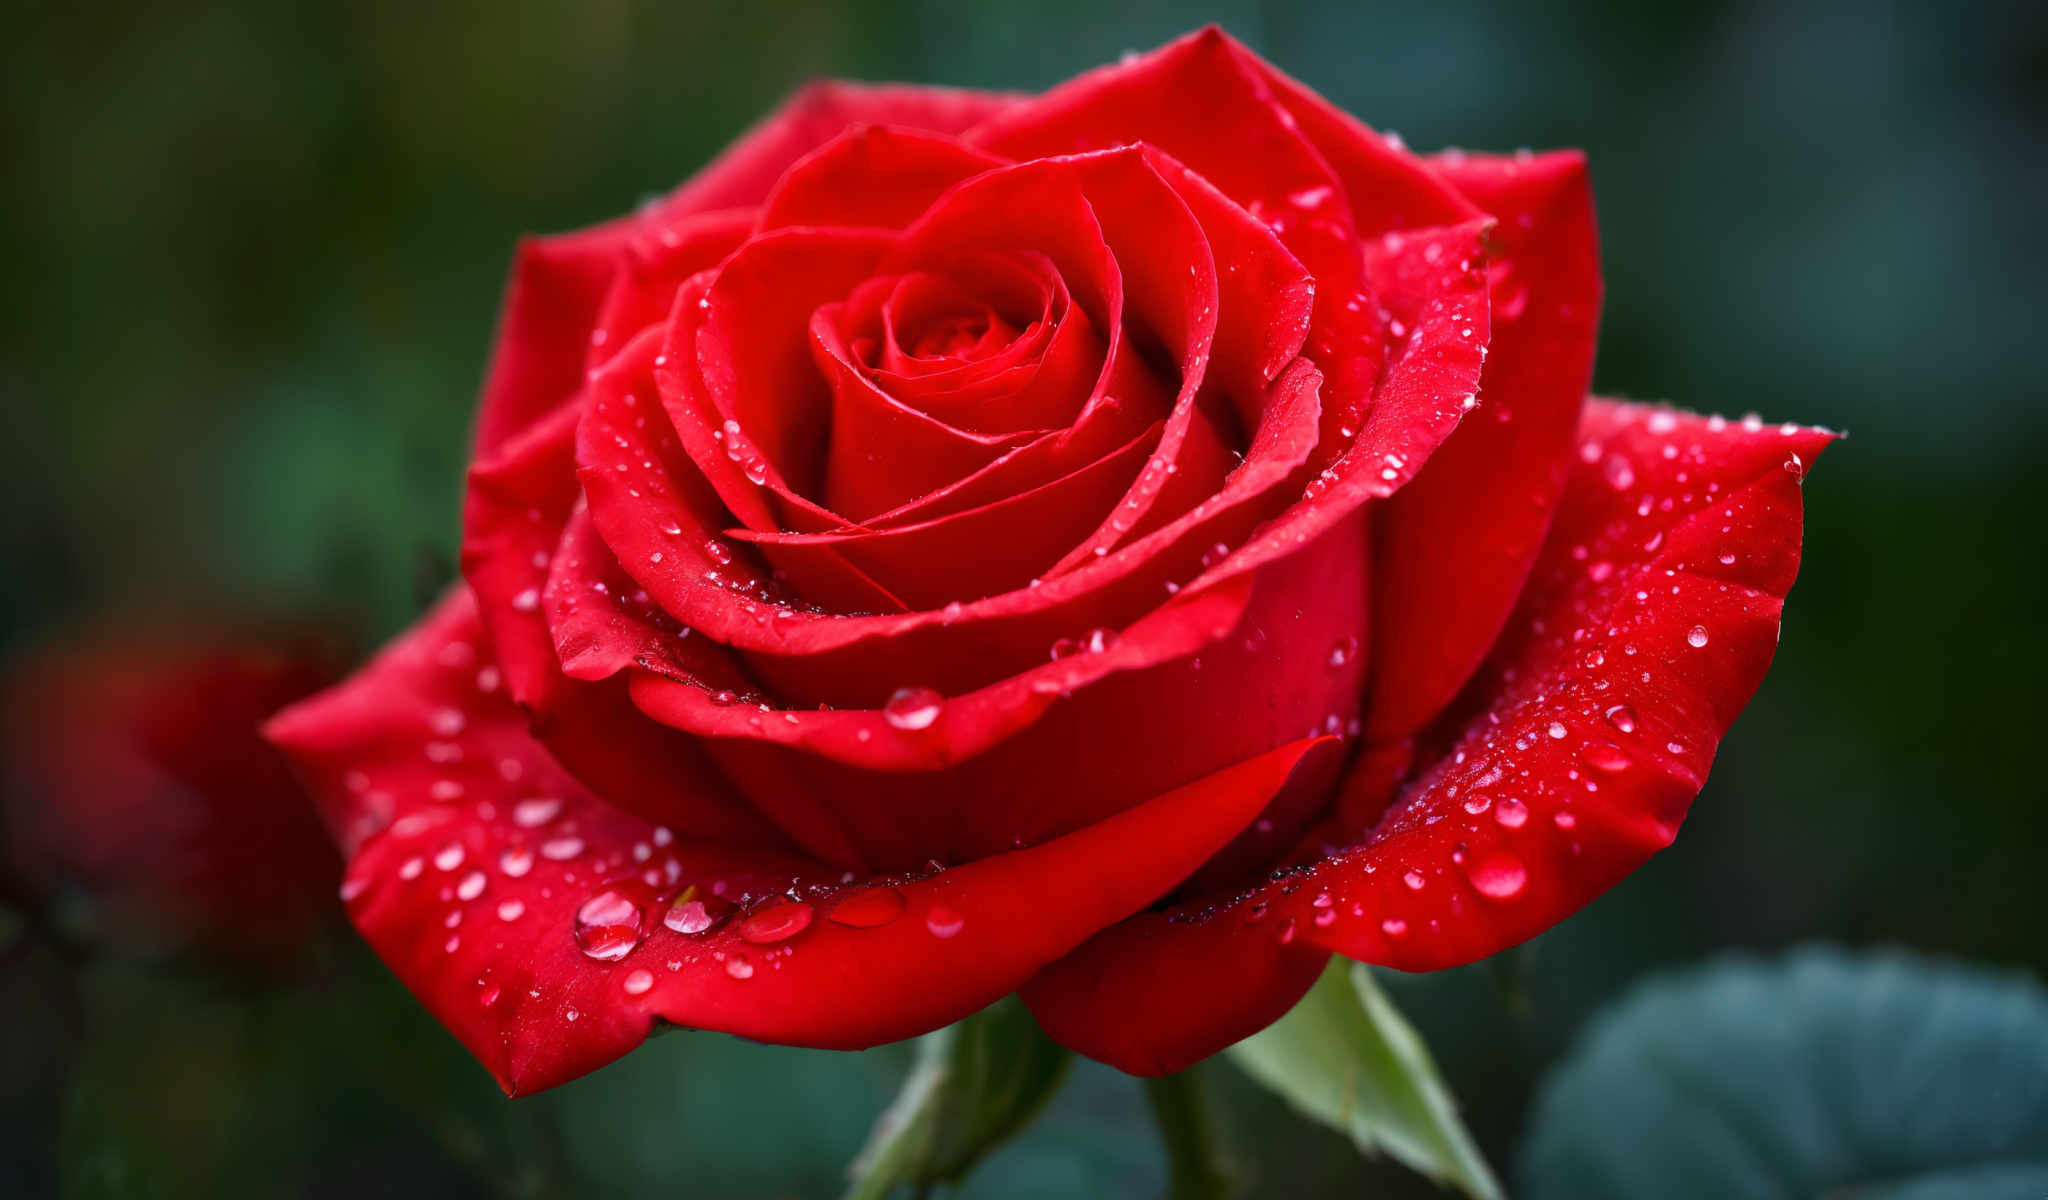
x: 608, y: 925
x: 868, y: 907
x: 448, y: 857
x: 912, y: 708
x: 1565, y: 820
x: 1343, y: 651
x: 1414, y: 879
x: 1602, y: 756
x: 1326, y: 918
x: 511, y: 910
x: 1511, y: 812
x: 638, y: 982
x: 1557, y: 730
x: 1696, y: 636
x: 777, y: 923
x: 561, y: 849
x: 488, y: 996
x: 739, y: 967
x: 1620, y: 475
x: 1622, y: 718
x: 516, y: 861
x: 471, y: 887
x: 717, y: 552
x: 943, y: 922
x: 537, y: 811
x: 693, y: 913
x: 1499, y: 877
x: 1394, y: 927
x: 411, y: 867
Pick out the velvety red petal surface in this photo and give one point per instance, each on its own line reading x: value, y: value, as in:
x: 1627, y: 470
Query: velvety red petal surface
x: 560, y: 282
x: 1648, y: 621
x: 1453, y: 547
x: 550, y: 931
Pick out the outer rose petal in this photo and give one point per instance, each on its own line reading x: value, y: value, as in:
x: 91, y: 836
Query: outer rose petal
x: 1454, y: 546
x: 1647, y: 624
x: 475, y: 891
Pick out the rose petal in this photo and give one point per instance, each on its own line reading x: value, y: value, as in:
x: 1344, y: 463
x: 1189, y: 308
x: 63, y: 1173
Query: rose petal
x: 519, y: 501
x: 1647, y: 624
x: 558, y: 283
x: 872, y: 175
x: 813, y: 116
x: 529, y: 918
x: 1454, y: 546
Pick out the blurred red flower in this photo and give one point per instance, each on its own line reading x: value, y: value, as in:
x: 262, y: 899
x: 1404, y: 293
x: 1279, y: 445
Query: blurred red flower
x: 138, y: 785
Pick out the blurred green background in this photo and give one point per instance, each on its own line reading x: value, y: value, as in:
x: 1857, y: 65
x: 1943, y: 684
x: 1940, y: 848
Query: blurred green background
x: 253, y: 252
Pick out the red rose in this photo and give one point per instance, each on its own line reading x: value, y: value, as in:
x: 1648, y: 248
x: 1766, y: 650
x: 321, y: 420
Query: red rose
x: 1123, y: 544
x: 137, y: 780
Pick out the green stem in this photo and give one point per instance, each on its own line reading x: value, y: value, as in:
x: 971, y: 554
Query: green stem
x: 1194, y: 1153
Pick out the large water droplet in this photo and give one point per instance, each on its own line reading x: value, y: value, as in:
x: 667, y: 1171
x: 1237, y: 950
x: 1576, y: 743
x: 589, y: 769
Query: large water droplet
x: 1602, y: 756
x: 608, y: 925
x: 776, y: 923
x: 1622, y: 718
x: 1499, y: 877
x: 1511, y: 812
x: 1696, y: 636
x: 912, y: 708
x: 868, y: 907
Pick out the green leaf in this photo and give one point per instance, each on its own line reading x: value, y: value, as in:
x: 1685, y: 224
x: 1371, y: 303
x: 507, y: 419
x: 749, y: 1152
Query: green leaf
x: 1347, y: 1058
x: 975, y: 1084
x: 1820, y: 1074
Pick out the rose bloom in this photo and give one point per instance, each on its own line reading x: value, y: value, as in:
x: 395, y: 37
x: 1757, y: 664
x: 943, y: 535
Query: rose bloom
x: 1122, y: 545
x: 140, y: 795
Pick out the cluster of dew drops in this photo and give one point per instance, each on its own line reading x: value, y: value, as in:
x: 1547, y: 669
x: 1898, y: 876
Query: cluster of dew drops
x: 744, y: 930
x: 1489, y: 759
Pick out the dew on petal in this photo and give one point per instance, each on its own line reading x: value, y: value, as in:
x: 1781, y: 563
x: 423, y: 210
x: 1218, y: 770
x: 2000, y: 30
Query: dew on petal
x: 1499, y: 877
x: 1604, y: 757
x: 943, y: 922
x: 538, y: 810
x: 868, y: 907
x: 1696, y: 637
x: 777, y: 923
x: 638, y: 982
x: 609, y: 925
x: 739, y: 966
x: 693, y: 913
x: 912, y: 708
